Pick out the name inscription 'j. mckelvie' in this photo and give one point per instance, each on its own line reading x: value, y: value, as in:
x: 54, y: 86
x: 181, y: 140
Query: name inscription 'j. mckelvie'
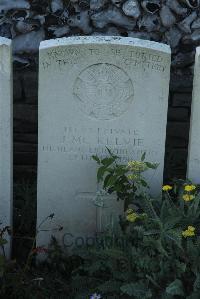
x: 81, y: 144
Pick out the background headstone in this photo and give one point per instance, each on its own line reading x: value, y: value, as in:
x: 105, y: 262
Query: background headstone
x: 96, y: 92
x: 194, y: 143
x: 6, y: 145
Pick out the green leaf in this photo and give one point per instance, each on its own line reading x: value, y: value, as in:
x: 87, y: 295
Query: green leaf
x: 109, y: 287
x: 3, y: 242
x: 152, y: 165
x: 195, y: 295
x: 112, y: 180
x: 172, y: 222
x: 144, y: 184
x: 175, y: 236
x: 100, y: 173
x: 196, y: 205
x: 121, y: 170
x: 96, y: 159
x: 197, y: 283
x: 138, y: 290
x: 106, y: 180
x: 167, y: 296
x: 160, y: 247
x: 109, y: 151
x: 2, y: 262
x: 143, y: 156
x: 107, y: 161
x: 164, y: 212
x: 112, y: 155
x: 181, y: 267
x: 175, y: 288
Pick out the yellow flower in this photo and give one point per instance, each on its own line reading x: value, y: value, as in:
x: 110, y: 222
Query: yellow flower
x: 133, y: 177
x: 130, y: 177
x: 137, y: 166
x: 191, y: 228
x: 188, y: 197
x: 167, y: 188
x: 189, y: 188
x: 132, y: 217
x: 129, y: 211
x: 189, y: 232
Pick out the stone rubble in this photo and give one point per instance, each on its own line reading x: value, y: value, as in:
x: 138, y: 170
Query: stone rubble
x: 27, y: 22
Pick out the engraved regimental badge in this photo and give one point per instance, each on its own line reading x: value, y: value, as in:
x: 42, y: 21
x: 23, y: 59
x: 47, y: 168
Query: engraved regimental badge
x: 103, y: 91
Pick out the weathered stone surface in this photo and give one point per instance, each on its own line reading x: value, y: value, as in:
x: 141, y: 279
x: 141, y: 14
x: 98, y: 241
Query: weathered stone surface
x: 168, y: 19
x: 6, y: 135
x: 176, y: 7
x: 112, y: 16
x: 192, y: 3
x: 193, y: 38
x: 194, y: 146
x: 151, y: 6
x: 196, y: 24
x: 149, y: 23
x: 97, y: 4
x: 28, y: 42
x: 96, y: 92
x: 173, y: 37
x: 13, y: 4
x: 81, y: 21
x: 131, y: 8
x: 185, y: 25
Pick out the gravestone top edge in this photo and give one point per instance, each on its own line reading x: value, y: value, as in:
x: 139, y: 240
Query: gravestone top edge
x: 113, y: 40
x: 5, y: 41
x: 198, y: 51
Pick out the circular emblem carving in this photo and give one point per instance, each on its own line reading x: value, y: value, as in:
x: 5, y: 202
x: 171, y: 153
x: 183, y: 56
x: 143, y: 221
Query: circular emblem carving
x: 103, y: 91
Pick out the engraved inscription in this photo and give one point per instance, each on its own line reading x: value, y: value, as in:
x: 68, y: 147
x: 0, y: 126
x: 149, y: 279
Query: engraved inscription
x: 103, y: 91
x: 71, y: 56
x: 79, y: 144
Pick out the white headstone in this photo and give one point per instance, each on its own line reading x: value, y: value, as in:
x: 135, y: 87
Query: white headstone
x: 96, y: 92
x: 193, y: 172
x: 6, y: 136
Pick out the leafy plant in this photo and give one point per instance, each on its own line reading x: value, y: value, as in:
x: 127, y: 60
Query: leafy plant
x: 127, y: 181
x: 160, y: 256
